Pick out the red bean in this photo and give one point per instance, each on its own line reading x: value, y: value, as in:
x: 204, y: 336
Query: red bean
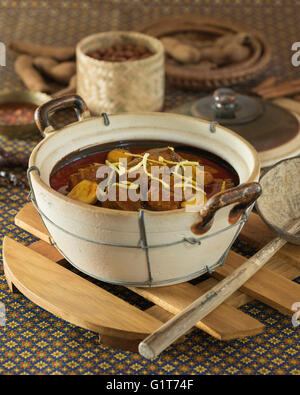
x: 121, y: 53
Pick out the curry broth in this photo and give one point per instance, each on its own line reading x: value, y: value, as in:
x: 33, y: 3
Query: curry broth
x: 221, y: 170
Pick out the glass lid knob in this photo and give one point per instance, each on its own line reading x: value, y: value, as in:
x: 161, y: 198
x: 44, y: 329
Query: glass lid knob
x: 225, y: 103
x: 224, y: 96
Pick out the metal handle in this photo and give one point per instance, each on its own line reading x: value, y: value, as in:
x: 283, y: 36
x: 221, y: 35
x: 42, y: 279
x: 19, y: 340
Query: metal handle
x: 244, y: 195
x: 68, y: 101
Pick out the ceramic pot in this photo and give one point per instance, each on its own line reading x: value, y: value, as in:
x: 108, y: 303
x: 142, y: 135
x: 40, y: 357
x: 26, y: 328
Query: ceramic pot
x: 140, y: 248
x: 115, y: 87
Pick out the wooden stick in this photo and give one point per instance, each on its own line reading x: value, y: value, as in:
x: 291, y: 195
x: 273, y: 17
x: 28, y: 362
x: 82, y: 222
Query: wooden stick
x: 281, y: 92
x: 159, y: 340
x: 287, y: 88
x: 30, y: 76
x: 270, y: 81
x: 28, y: 48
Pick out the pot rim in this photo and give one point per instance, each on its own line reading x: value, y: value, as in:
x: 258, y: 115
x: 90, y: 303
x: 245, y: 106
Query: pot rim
x: 150, y: 39
x: 34, y: 174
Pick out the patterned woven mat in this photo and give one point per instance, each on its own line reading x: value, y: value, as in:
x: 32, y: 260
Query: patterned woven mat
x: 34, y: 341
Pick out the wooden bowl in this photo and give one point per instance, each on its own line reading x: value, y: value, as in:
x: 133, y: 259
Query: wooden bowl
x: 191, y: 77
x: 280, y: 201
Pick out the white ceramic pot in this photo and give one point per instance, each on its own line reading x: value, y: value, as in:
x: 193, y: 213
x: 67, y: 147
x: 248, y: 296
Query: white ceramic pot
x: 87, y: 235
x: 115, y: 87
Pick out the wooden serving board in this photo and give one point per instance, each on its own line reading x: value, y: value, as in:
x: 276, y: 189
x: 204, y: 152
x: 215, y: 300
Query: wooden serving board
x: 40, y: 272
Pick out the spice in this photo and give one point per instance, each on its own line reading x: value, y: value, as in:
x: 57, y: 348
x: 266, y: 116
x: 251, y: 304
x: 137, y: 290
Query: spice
x: 18, y: 113
x: 121, y: 53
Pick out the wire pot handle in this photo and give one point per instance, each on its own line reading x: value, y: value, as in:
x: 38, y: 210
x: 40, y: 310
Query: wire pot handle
x: 67, y: 101
x: 243, y: 196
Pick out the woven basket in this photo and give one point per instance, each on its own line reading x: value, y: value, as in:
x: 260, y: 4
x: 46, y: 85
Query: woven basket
x: 187, y: 76
x: 115, y: 87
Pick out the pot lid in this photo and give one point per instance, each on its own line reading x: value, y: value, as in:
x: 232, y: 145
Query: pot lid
x: 228, y: 107
x: 265, y: 125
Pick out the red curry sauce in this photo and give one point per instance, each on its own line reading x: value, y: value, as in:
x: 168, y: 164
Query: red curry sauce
x: 220, y: 169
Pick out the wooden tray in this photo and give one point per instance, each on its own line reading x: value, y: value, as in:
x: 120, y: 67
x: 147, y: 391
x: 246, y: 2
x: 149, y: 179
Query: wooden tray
x: 43, y: 276
x: 188, y: 76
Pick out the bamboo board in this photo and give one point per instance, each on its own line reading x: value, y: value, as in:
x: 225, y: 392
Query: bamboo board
x: 41, y: 274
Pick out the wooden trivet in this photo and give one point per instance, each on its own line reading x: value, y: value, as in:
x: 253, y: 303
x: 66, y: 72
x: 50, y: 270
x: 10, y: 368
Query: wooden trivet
x: 40, y: 273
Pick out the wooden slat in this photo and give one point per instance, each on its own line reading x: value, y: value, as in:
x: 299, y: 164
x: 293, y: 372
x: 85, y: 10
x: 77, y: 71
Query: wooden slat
x: 71, y: 297
x: 282, y: 266
x: 258, y: 234
x: 29, y: 220
x: 267, y: 286
x: 237, y: 300
x: 43, y: 248
x: 224, y: 323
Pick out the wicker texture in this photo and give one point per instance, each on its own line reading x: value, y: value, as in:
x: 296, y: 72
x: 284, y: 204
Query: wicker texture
x: 114, y: 87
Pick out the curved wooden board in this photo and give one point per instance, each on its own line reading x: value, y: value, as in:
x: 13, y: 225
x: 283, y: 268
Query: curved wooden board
x: 224, y: 323
x: 28, y: 219
x: 72, y: 298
